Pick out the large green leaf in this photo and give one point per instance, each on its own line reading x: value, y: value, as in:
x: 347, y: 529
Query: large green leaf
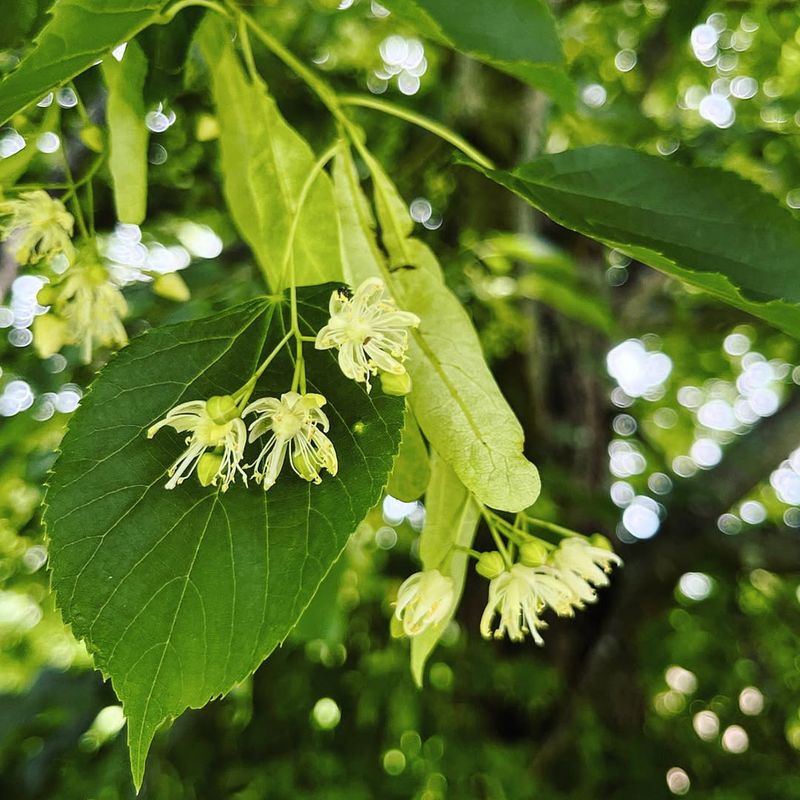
x: 265, y: 163
x: 128, y: 134
x: 79, y: 33
x: 516, y: 36
x: 451, y: 519
x: 455, y: 399
x: 181, y: 594
x: 707, y: 227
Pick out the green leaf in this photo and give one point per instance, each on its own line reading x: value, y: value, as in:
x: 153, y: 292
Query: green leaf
x: 265, y: 163
x: 181, y: 594
x: 128, y: 134
x: 710, y: 228
x: 79, y: 33
x: 451, y: 518
x: 518, y: 37
x: 411, y: 471
x: 455, y: 399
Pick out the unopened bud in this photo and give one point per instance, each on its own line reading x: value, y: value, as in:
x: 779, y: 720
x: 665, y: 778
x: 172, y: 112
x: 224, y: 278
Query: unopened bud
x: 533, y: 554
x: 397, y: 385
x: 490, y: 565
x: 208, y: 468
x: 304, y: 468
x: 598, y: 540
x: 49, y: 334
x: 172, y: 287
x: 222, y: 408
x: 47, y: 295
x: 92, y: 137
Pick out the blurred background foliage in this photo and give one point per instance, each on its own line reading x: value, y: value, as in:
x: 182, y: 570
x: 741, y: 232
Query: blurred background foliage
x: 657, y: 416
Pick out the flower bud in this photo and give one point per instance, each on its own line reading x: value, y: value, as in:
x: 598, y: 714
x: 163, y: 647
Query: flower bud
x: 533, y: 554
x: 222, y: 409
x: 598, y: 540
x: 172, y: 287
x: 47, y: 295
x: 397, y: 385
x: 208, y: 468
x: 490, y: 565
x: 49, y: 334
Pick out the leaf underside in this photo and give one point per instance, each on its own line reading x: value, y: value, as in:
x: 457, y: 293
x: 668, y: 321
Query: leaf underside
x: 181, y: 594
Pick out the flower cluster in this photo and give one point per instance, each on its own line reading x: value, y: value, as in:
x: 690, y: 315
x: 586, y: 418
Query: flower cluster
x: 217, y: 434
x: 519, y: 594
x: 562, y: 580
x: 86, y: 309
x: 371, y: 334
x: 38, y: 227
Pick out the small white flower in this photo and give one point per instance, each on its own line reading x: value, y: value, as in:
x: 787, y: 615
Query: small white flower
x: 519, y: 596
x: 216, y: 430
x: 39, y: 226
x: 582, y: 566
x: 294, y: 423
x: 423, y: 600
x: 369, y: 330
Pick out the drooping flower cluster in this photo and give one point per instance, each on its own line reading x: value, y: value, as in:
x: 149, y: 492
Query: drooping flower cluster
x: 562, y: 580
x: 294, y: 424
x: 519, y: 595
x: 371, y: 334
x: 38, y: 227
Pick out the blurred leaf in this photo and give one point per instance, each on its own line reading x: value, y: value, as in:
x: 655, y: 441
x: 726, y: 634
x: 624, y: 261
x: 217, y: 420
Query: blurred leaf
x: 707, y: 227
x: 518, y: 37
x: 451, y: 518
x: 128, y: 134
x: 455, y: 399
x: 181, y: 594
x: 265, y: 163
x: 79, y: 33
x: 324, y: 617
x: 411, y: 471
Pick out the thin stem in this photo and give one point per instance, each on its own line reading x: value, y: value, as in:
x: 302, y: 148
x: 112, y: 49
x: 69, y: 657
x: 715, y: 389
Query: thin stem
x: 559, y: 530
x: 247, y: 49
x: 442, y: 131
x: 76, y: 204
x: 243, y: 395
x: 491, y: 520
x: 170, y: 13
x: 288, y: 260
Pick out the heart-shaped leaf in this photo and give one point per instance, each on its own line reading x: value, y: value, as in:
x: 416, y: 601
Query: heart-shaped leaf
x: 181, y: 594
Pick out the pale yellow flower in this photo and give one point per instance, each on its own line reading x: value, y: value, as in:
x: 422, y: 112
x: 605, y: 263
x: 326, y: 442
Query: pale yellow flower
x: 583, y: 566
x: 297, y: 425
x: 424, y: 599
x: 38, y: 226
x: 519, y: 596
x: 370, y: 332
x: 216, y: 434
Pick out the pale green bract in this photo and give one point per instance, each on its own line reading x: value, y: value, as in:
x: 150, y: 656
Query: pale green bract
x: 265, y: 164
x: 455, y: 399
x: 181, y: 594
x: 451, y: 520
x: 127, y: 132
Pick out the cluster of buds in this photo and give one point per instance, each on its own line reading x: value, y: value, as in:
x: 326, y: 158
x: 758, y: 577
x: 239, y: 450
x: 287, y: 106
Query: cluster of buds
x: 562, y: 578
